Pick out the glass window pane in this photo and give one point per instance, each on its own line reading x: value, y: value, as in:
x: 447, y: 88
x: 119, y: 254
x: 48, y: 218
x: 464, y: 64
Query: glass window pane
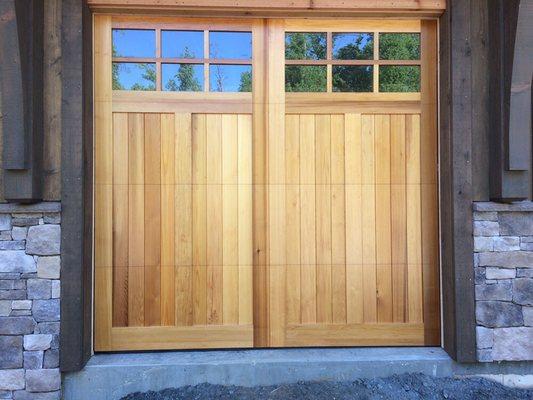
x: 133, y: 43
x: 305, y: 46
x: 399, y: 46
x: 399, y: 78
x: 236, y: 45
x: 182, y: 44
x: 305, y: 78
x: 353, y: 78
x: 230, y: 78
x: 133, y: 76
x: 353, y: 46
x: 182, y: 77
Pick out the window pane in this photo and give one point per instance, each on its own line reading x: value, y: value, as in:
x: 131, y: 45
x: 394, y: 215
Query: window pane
x: 182, y: 44
x: 305, y: 78
x: 399, y: 46
x: 305, y: 46
x: 399, y: 78
x: 353, y: 78
x: 230, y: 78
x: 353, y: 46
x: 133, y: 76
x: 237, y: 45
x: 133, y: 43
x: 182, y: 77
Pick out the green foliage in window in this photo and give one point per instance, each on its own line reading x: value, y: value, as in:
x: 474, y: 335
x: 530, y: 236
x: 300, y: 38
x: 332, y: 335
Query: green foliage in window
x: 305, y: 46
x: 399, y: 78
x: 361, y: 48
x: 305, y: 78
x: 246, y: 82
x: 149, y: 75
x: 184, y: 80
x: 399, y: 46
x: 349, y: 78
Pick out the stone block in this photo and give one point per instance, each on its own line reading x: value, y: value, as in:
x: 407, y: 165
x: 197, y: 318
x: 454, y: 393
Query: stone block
x: 524, y: 273
x: 55, y: 342
x: 44, y: 240
x: 523, y: 291
x: 11, y: 379
x: 37, y: 342
x: 526, y: 246
x: 5, y: 308
x: 43, y: 380
x: 5, y: 235
x: 499, y: 291
x: 39, y: 289
x: 484, y: 337
x: 48, y: 327
x: 56, y: 289
x: 479, y: 275
x: 484, y: 355
x: 19, y: 232
x: 485, y: 216
x: 6, y: 284
x: 18, y: 313
x: 12, y: 245
x: 21, y: 305
x: 16, y: 325
x: 24, y: 395
x: 51, y: 358
x: 52, y: 218
x: 16, y: 261
x: 25, y: 221
x: 516, y: 223
x: 528, y: 315
x: 46, y: 310
x: 19, y: 294
x: 5, y: 222
x: 486, y: 228
x: 506, y: 243
x: 513, y: 344
x: 483, y: 243
x: 10, y: 352
x: 507, y: 259
x: 496, y: 314
x: 48, y: 267
x: 500, y: 273
x: 33, y: 359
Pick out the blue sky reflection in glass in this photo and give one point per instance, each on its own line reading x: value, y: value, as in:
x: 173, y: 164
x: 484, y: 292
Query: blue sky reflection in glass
x: 230, y: 45
x: 353, y: 46
x: 133, y: 43
x: 182, y: 44
x: 135, y: 76
x: 230, y: 78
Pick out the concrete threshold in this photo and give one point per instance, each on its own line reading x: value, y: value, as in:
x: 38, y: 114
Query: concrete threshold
x: 112, y: 376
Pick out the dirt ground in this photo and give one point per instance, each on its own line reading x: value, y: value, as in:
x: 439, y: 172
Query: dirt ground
x: 409, y: 386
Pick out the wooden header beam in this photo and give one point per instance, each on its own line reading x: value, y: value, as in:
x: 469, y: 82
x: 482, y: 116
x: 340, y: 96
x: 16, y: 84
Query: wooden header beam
x: 272, y: 7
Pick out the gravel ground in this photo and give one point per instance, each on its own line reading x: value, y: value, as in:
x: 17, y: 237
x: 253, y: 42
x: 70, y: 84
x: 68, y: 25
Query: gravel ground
x: 398, y: 387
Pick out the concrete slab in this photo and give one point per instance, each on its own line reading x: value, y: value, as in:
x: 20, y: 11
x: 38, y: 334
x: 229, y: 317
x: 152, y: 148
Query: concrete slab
x: 111, y: 376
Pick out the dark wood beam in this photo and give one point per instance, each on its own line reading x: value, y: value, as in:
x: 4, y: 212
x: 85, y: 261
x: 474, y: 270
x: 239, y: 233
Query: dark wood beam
x: 76, y: 186
x: 21, y: 76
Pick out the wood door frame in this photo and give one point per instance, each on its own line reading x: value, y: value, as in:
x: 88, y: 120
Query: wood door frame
x: 76, y: 327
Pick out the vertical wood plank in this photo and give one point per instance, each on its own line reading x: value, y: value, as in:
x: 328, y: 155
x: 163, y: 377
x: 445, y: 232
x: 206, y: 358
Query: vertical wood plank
x: 414, y: 230
x: 214, y: 219
x: 152, y: 219
x: 368, y: 195
x: 199, y: 218
x: 398, y: 218
x: 136, y: 220
x: 120, y: 219
x: 168, y: 145
x: 323, y: 218
x: 307, y: 219
x: 245, y: 223
x: 383, y: 218
x: 230, y: 220
x: 354, y: 251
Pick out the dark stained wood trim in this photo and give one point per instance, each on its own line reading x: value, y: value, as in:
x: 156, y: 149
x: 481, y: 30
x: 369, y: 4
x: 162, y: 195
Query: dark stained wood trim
x: 76, y: 226
x: 21, y: 72
x: 510, y: 150
x: 456, y: 191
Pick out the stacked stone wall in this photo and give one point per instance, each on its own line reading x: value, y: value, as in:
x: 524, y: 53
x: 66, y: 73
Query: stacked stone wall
x: 503, y: 261
x: 29, y: 301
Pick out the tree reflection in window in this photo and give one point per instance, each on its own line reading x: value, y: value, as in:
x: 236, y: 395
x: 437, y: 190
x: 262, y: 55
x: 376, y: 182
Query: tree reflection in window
x: 187, y: 78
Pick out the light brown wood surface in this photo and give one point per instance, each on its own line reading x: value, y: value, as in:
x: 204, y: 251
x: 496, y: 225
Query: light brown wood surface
x: 265, y: 219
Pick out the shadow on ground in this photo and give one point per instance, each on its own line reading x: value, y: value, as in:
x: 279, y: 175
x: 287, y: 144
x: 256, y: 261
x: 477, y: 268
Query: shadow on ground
x: 398, y: 387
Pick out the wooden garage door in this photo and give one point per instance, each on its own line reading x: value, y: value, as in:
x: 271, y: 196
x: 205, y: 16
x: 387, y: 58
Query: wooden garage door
x: 302, y: 213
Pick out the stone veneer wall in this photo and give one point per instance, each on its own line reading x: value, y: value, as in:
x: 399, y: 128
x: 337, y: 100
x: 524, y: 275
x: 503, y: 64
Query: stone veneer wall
x: 29, y: 301
x: 503, y: 261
